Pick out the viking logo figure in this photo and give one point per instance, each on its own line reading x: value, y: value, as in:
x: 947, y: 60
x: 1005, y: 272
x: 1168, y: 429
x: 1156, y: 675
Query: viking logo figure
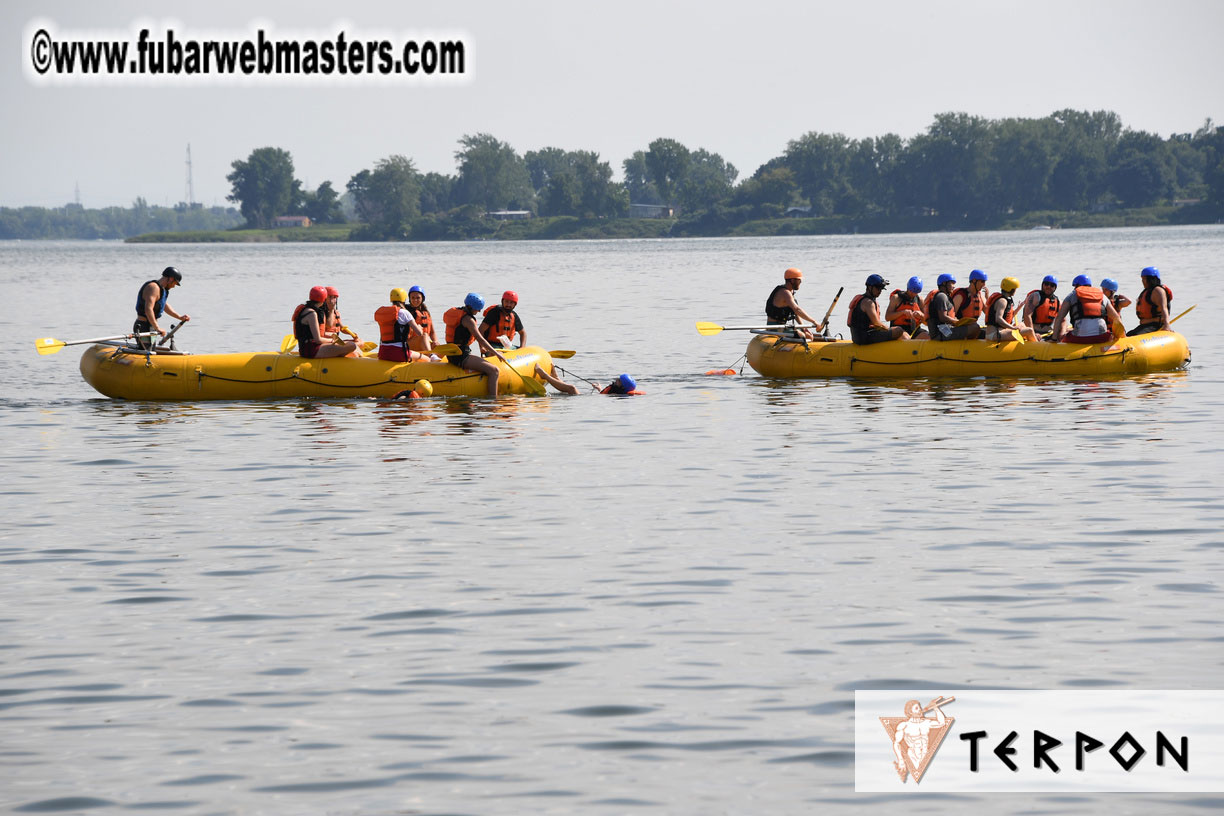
x: 916, y: 737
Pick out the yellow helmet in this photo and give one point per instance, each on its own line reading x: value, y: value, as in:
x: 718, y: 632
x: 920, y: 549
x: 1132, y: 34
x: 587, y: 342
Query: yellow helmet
x: 398, y: 295
x: 424, y: 388
x: 1009, y: 284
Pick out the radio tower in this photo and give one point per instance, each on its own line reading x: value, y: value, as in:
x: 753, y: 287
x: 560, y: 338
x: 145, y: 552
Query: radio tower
x: 190, y: 186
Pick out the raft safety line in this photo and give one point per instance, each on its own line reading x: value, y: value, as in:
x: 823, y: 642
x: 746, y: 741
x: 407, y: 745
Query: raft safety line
x: 940, y: 357
x: 203, y: 374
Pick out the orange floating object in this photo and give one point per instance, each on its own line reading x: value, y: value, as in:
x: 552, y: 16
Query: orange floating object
x: 718, y: 372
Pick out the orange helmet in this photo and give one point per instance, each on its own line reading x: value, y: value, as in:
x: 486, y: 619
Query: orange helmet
x: 510, y: 295
x: 793, y: 273
x: 333, y: 291
x: 318, y: 294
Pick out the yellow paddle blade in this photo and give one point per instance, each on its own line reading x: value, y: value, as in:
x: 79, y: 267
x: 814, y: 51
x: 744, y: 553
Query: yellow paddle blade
x: 533, y: 386
x: 706, y: 329
x: 49, y: 345
x: 446, y: 350
x: 964, y: 321
x: 1119, y: 331
x: 562, y: 354
x: 368, y: 346
x: 287, y: 343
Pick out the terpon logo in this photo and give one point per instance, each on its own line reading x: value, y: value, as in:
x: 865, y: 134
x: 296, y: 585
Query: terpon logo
x: 1050, y: 741
x: 916, y: 737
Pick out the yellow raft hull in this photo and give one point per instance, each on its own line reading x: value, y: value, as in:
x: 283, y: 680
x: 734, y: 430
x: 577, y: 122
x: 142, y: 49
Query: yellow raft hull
x: 1158, y: 351
x: 272, y: 375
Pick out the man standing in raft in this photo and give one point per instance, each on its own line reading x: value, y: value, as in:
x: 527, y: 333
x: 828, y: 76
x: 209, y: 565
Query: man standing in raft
x: 309, y: 321
x: 864, y: 321
x: 782, y: 307
x: 151, y: 302
x: 461, y: 330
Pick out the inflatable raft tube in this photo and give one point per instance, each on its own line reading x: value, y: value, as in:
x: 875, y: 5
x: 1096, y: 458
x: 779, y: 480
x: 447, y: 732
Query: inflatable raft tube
x: 128, y: 374
x: 1157, y: 351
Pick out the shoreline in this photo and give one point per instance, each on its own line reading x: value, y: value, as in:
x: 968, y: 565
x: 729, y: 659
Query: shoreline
x: 706, y: 225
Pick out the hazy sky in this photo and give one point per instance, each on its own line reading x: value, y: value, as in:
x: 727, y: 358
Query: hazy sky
x: 737, y: 78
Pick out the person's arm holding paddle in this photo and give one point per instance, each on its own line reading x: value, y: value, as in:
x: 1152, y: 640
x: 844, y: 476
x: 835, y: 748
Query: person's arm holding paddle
x: 486, y: 348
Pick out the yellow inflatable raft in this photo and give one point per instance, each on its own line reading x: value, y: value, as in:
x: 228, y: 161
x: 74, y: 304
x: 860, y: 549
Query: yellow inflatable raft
x: 1158, y: 351
x: 134, y: 375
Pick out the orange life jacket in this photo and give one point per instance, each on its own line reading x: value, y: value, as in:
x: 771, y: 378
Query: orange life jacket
x: 1146, y: 309
x: 423, y: 320
x: 1046, y: 310
x: 854, y: 305
x: 1009, y: 314
x: 971, y: 303
x: 391, y: 331
x: 909, y: 310
x: 1090, y: 304
x: 451, y: 317
x: 503, y: 327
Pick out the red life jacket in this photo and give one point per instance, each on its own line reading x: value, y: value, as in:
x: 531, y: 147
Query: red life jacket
x: 1146, y: 309
x: 908, y: 310
x: 1046, y: 310
x: 505, y: 325
x: 1091, y: 304
x: 971, y: 304
x: 1009, y: 314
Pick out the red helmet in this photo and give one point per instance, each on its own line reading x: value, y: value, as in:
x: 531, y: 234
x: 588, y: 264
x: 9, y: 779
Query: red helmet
x: 318, y: 293
x: 333, y: 291
x: 510, y: 296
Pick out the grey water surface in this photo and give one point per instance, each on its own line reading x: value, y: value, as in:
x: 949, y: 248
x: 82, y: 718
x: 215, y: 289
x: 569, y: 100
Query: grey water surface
x: 658, y: 604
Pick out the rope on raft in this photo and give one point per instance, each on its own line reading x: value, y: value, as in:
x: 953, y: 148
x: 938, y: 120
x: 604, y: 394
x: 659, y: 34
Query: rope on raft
x: 1030, y: 359
x: 202, y: 375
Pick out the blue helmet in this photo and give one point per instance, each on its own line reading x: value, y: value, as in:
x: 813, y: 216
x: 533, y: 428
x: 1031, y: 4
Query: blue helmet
x: 626, y: 382
x: 914, y: 285
x: 876, y: 280
x: 474, y: 302
x: 417, y: 289
x: 1150, y: 272
x: 977, y: 274
x: 1110, y: 284
x: 1050, y: 279
x: 945, y: 278
x: 1082, y: 280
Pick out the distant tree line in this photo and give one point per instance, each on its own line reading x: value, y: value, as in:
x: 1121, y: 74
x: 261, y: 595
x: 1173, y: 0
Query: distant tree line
x: 962, y: 171
x: 73, y: 221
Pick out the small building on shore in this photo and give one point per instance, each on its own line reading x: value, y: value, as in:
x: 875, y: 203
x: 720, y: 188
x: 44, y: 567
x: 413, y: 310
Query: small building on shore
x: 291, y: 221
x: 508, y: 215
x: 651, y: 211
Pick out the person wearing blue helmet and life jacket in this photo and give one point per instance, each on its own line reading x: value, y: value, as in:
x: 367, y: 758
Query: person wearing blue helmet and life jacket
x: 1041, y: 306
x: 970, y: 301
x: 623, y: 385
x: 905, y: 309
x: 1152, y: 305
x: 420, y: 313
x: 1089, y: 313
x: 461, y: 329
x: 941, y: 315
x: 864, y: 321
x: 1110, y: 287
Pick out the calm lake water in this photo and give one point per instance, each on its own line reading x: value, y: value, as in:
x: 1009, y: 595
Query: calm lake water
x: 580, y: 604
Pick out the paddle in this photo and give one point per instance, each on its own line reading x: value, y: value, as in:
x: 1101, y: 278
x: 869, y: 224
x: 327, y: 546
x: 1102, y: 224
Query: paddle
x: 287, y: 343
x: 1183, y: 314
x: 824, y: 323
x: 562, y: 354
x: 170, y: 334
x: 707, y: 329
x: 49, y: 345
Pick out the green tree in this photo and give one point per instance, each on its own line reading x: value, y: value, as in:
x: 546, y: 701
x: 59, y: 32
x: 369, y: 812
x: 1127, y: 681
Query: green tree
x: 638, y: 181
x: 492, y: 175
x: 543, y: 164
x: 821, y: 163
x: 706, y: 181
x: 323, y: 205
x: 667, y: 161
x: 388, y: 197
x: 437, y: 193
x: 264, y: 186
